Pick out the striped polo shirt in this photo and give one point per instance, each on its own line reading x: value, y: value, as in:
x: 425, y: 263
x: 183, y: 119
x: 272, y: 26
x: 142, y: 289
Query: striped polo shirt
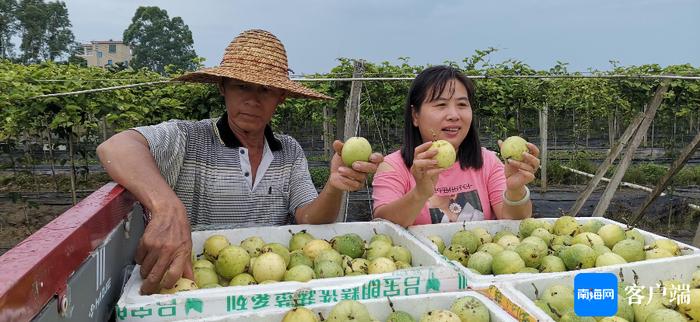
x: 209, y: 170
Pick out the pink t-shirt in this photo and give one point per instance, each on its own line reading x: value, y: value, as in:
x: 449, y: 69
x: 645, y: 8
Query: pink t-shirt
x: 460, y: 195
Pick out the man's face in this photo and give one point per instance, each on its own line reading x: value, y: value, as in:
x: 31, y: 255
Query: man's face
x: 250, y: 106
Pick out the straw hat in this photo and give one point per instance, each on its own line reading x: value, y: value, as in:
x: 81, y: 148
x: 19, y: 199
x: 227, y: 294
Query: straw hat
x: 255, y: 56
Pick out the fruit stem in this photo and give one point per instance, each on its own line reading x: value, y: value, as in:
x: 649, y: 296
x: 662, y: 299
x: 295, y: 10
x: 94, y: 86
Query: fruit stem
x: 391, y: 304
x: 622, y: 277
x: 554, y: 311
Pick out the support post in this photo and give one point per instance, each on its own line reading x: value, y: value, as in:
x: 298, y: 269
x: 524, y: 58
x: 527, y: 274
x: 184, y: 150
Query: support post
x: 603, y: 168
x: 676, y: 166
x: 327, y: 136
x: 650, y: 112
x: 543, y: 113
x: 352, y: 119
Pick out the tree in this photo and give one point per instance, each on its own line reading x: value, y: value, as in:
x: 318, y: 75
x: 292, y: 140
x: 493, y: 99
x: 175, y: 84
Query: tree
x: 58, y: 37
x: 157, y: 41
x: 44, y: 29
x: 74, y: 53
x: 8, y: 26
x: 32, y: 25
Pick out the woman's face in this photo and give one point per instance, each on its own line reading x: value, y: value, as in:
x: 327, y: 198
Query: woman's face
x: 447, y: 118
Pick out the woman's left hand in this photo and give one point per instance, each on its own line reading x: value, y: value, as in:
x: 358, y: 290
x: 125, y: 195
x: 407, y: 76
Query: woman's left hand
x: 520, y: 173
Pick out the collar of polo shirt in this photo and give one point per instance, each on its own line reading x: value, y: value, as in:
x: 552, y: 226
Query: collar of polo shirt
x: 230, y: 140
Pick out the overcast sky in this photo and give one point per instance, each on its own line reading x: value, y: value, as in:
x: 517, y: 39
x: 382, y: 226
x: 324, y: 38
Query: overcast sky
x: 584, y: 33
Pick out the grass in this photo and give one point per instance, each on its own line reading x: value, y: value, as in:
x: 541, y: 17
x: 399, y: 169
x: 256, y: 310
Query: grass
x: 642, y: 174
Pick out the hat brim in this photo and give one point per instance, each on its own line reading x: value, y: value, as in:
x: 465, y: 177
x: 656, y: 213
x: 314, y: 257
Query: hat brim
x: 215, y: 74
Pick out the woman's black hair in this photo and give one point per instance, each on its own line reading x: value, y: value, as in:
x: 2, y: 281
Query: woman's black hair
x: 432, y: 81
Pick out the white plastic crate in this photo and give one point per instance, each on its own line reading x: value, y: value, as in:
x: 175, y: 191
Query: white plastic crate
x: 648, y: 274
x: 379, y: 309
x: 430, y: 274
x: 477, y: 281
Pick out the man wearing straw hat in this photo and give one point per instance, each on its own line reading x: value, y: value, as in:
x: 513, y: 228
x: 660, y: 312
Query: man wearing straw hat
x: 232, y: 169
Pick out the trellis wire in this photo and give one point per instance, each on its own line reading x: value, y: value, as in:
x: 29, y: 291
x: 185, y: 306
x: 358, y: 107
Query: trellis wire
x: 678, y: 77
x: 376, y: 120
x: 350, y: 79
x: 386, y: 76
x: 104, y: 89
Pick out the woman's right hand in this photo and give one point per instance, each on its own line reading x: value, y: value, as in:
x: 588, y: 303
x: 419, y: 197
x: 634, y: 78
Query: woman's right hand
x: 425, y: 170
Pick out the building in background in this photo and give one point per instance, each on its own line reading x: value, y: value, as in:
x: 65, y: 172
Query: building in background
x: 106, y: 53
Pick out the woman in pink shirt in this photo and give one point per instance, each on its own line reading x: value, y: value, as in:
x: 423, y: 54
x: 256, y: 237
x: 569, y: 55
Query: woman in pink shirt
x: 410, y: 189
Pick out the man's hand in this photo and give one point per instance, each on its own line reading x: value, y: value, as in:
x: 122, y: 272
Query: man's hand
x: 165, y: 249
x: 425, y: 169
x: 351, y: 179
